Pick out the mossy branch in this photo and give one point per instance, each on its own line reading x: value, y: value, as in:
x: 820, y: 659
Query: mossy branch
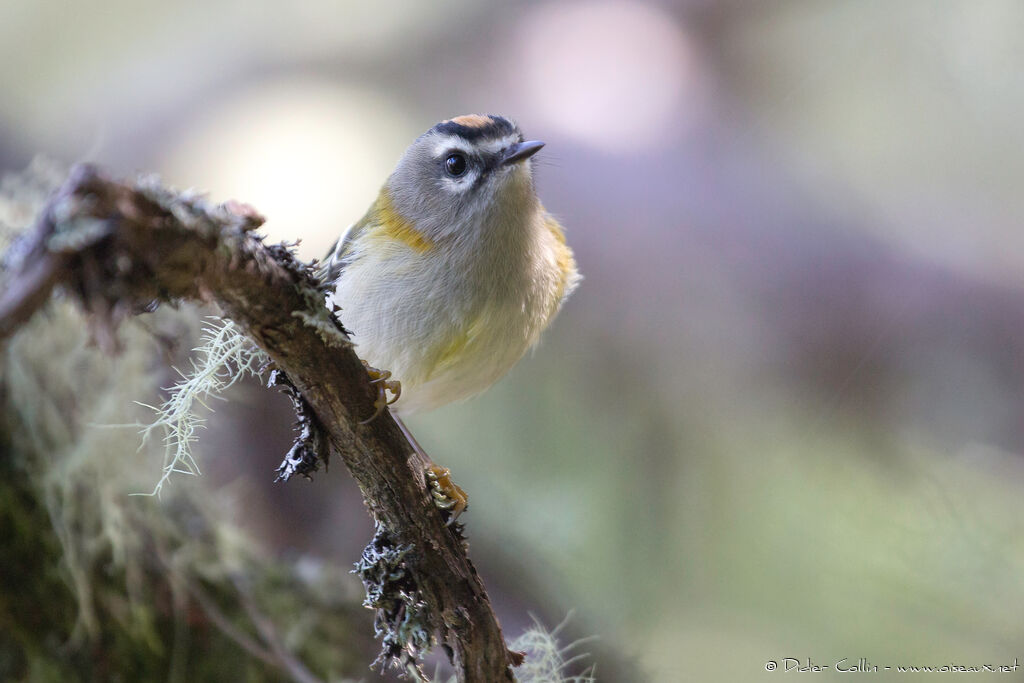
x: 121, y: 247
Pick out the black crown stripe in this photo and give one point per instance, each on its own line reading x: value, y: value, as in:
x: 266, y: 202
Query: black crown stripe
x: 498, y: 127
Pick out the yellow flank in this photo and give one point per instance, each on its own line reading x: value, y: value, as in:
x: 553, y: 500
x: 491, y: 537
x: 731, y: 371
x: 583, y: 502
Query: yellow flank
x: 455, y: 349
x: 394, y: 225
x: 563, y: 256
x: 472, y: 120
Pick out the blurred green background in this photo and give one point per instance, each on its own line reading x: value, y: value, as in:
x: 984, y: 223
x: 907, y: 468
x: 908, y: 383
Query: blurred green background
x: 783, y: 416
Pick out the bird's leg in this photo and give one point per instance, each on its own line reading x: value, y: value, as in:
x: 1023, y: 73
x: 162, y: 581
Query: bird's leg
x: 448, y: 496
x: 382, y: 378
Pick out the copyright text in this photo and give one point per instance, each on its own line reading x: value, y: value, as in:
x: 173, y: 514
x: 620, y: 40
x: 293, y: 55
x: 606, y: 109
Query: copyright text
x: 863, y: 666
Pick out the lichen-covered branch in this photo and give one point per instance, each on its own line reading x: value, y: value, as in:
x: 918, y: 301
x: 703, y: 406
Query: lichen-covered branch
x: 121, y: 248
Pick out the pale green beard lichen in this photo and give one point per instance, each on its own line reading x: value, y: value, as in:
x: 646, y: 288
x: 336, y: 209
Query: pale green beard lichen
x: 225, y: 356
x: 171, y: 589
x: 547, y: 661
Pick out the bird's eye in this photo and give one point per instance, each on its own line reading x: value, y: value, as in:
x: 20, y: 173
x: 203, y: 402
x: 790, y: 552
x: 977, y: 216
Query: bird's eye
x: 455, y: 164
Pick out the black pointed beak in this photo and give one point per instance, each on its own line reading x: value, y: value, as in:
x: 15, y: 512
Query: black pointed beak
x: 520, y: 151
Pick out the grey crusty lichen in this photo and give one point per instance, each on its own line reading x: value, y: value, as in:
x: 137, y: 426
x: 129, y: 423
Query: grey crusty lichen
x: 310, y: 447
x: 402, y: 620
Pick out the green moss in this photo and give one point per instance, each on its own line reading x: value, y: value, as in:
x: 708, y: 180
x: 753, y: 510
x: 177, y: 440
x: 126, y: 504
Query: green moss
x: 100, y: 585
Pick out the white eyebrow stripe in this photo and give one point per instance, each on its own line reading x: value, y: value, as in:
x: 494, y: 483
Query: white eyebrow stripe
x: 451, y: 143
x: 494, y: 146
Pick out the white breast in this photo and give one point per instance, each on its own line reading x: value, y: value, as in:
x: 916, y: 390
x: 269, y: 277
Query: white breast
x: 449, y: 325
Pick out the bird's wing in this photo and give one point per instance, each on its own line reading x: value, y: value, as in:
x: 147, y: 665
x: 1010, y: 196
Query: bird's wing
x: 336, y: 258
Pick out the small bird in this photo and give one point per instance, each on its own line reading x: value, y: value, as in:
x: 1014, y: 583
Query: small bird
x: 454, y: 271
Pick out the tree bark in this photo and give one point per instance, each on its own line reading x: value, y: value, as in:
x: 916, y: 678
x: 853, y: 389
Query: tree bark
x: 118, y: 247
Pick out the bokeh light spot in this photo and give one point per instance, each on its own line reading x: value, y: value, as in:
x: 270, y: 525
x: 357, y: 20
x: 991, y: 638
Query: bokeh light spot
x: 310, y: 155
